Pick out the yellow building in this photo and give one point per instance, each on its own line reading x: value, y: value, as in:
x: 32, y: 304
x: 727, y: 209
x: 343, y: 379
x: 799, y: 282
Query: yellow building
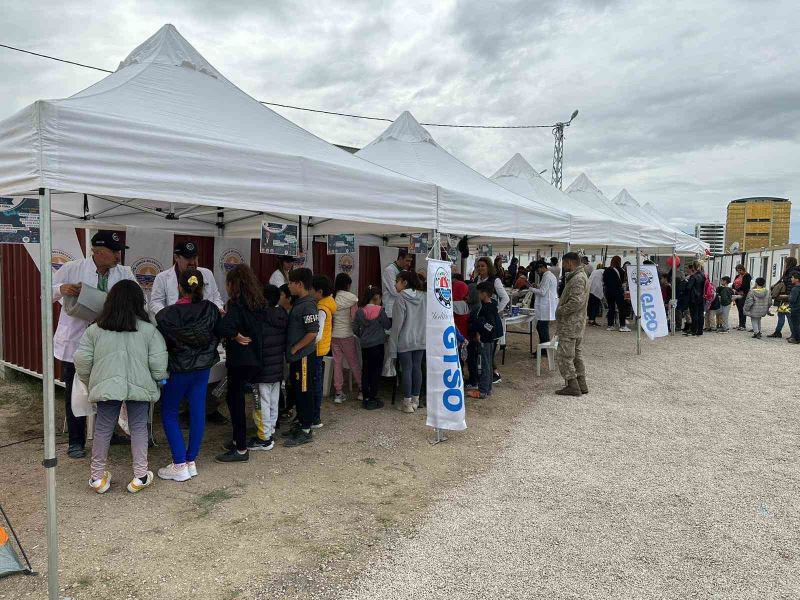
x: 758, y: 223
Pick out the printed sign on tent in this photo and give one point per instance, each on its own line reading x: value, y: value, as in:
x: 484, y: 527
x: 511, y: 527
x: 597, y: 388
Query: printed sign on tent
x: 484, y: 250
x: 64, y: 246
x: 277, y: 238
x: 445, y: 391
x: 149, y: 252
x: 228, y: 253
x: 348, y: 263
x: 19, y: 220
x: 654, y: 317
x: 453, y: 252
x: 418, y: 243
x: 342, y: 243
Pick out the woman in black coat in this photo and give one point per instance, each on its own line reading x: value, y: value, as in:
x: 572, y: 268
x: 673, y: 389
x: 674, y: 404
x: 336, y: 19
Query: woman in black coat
x: 613, y: 282
x: 741, y: 287
x: 695, y: 289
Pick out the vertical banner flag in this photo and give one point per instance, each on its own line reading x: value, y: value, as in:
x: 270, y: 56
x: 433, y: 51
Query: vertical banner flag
x: 65, y: 246
x: 229, y: 252
x: 654, y: 317
x: 149, y: 252
x: 445, y: 391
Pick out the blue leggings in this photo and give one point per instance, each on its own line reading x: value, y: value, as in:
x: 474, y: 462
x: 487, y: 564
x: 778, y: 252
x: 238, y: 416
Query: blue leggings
x: 193, y: 386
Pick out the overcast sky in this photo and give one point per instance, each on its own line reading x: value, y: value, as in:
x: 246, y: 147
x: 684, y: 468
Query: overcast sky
x: 686, y: 104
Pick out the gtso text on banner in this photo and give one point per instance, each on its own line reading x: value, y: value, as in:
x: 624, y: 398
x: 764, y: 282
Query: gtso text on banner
x: 654, y: 317
x: 445, y: 394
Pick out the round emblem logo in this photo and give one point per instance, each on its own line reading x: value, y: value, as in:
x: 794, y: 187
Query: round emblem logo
x: 442, y: 289
x: 645, y: 278
x: 189, y: 246
x: 59, y: 258
x: 145, y: 270
x: 346, y: 264
x: 230, y: 258
x: 115, y: 237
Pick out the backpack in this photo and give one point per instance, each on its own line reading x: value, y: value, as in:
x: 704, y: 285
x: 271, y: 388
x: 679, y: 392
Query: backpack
x: 709, y: 292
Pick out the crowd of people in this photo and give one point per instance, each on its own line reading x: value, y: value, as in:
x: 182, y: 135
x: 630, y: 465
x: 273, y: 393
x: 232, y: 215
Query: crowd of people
x: 275, y: 338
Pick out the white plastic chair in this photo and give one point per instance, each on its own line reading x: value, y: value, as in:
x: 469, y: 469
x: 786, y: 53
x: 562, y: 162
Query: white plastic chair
x: 551, y: 357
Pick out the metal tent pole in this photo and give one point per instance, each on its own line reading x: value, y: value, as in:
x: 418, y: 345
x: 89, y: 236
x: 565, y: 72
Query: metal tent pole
x: 638, y: 302
x: 673, y: 306
x: 48, y: 390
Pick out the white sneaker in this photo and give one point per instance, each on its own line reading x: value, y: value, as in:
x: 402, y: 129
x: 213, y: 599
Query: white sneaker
x: 137, y: 485
x: 611, y: 328
x: 101, y: 485
x: 192, y: 468
x: 625, y: 329
x: 415, y: 402
x: 360, y: 397
x: 339, y: 398
x: 407, y: 406
x: 174, y: 473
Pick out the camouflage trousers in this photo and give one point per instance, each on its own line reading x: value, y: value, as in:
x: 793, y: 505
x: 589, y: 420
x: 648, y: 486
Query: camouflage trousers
x: 569, y: 358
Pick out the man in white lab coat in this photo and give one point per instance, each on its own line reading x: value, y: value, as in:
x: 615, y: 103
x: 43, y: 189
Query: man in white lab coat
x: 546, y: 293
x: 165, y: 286
x: 389, y: 277
x: 101, y: 270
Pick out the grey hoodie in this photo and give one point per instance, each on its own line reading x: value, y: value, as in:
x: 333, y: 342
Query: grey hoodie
x: 408, y: 323
x: 757, y: 302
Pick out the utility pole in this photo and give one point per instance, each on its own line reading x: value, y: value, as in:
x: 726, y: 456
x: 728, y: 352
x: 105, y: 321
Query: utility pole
x: 558, y: 150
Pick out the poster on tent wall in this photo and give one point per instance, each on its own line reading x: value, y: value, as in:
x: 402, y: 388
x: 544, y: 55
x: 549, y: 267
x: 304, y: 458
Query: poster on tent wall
x: 149, y: 252
x: 19, y: 220
x: 445, y: 383
x: 418, y: 243
x: 278, y: 238
x: 342, y: 243
x: 654, y: 317
x: 484, y: 250
x: 453, y: 253
x: 229, y: 253
x: 348, y: 263
x: 65, y: 246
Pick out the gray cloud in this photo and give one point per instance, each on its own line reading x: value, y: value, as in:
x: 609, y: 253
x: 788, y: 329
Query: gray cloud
x: 687, y: 105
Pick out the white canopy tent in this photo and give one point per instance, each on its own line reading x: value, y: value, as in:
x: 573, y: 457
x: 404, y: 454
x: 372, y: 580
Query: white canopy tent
x: 683, y: 242
x: 587, y: 226
x: 469, y: 203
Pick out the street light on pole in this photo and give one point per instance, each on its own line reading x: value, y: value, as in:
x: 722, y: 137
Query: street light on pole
x: 558, y: 150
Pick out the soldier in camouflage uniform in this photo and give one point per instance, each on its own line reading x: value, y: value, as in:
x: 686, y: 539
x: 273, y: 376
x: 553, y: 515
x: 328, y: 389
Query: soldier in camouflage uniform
x: 571, y: 324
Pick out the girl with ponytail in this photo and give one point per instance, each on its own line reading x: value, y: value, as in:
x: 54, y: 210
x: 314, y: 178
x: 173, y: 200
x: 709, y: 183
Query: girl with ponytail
x: 190, y: 330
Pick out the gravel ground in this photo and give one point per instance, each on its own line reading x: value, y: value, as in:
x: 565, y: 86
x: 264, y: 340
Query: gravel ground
x: 676, y: 477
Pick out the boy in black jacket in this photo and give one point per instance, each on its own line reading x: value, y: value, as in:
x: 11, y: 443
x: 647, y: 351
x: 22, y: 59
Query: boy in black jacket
x: 267, y: 382
x: 485, y: 325
x: 301, y: 352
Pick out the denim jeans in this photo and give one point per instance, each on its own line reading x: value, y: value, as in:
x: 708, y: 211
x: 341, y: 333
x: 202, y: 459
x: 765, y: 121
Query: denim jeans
x: 410, y: 372
x: 485, y: 382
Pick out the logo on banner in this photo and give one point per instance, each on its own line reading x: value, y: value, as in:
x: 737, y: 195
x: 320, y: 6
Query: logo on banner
x: 230, y: 258
x: 442, y: 288
x: 645, y: 278
x: 145, y: 270
x: 59, y: 258
x: 346, y: 264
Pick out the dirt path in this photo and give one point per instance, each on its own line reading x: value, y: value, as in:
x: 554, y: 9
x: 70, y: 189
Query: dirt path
x: 288, y: 524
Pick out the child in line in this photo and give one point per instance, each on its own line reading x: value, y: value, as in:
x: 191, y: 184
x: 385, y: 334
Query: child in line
x: 369, y: 326
x: 794, y: 309
x: 407, y: 340
x: 756, y: 305
x: 322, y: 291
x: 287, y: 397
x: 301, y: 352
x: 725, y: 296
x: 189, y: 329
x: 121, y: 358
x: 267, y: 382
x: 343, y: 344
x: 485, y: 328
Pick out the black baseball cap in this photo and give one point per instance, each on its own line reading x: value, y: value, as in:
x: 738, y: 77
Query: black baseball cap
x: 108, y: 239
x: 186, y: 249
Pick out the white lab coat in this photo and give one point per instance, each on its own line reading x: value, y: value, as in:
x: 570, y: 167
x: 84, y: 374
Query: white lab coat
x: 596, y: 284
x: 70, y: 330
x: 277, y: 278
x: 165, y: 289
x: 390, y: 294
x: 546, y: 297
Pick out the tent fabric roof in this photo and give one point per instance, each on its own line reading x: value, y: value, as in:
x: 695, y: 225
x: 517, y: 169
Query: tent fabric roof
x: 469, y: 203
x: 167, y: 126
x: 587, y: 226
